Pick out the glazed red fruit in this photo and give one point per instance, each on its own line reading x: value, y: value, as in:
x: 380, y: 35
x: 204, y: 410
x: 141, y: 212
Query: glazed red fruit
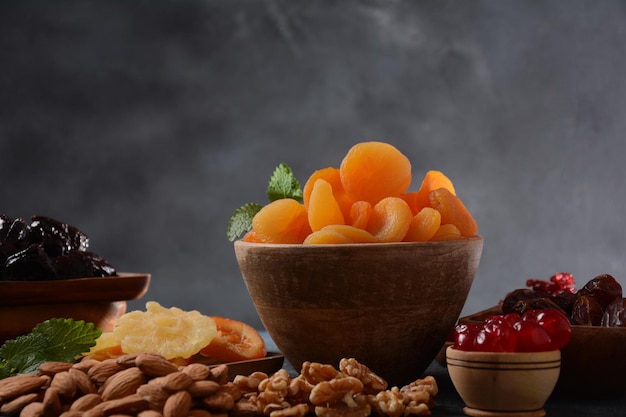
x: 555, y: 323
x: 496, y: 335
x: 531, y: 337
x: 465, y: 335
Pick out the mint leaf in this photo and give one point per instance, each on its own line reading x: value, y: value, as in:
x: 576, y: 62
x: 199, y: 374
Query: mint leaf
x: 283, y: 184
x: 52, y: 340
x: 241, y: 220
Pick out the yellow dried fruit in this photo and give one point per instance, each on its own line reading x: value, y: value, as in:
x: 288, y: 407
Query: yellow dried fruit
x: 170, y: 332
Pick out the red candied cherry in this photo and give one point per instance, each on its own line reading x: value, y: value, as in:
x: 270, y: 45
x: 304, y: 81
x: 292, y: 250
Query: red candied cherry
x: 512, y: 318
x: 497, y: 335
x: 531, y: 337
x: 465, y: 335
x: 555, y: 323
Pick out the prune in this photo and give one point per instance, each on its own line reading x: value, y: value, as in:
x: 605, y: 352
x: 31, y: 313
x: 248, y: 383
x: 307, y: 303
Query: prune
x: 566, y: 301
x: 603, y: 288
x: 520, y: 294
x: 523, y: 306
x: 587, y: 311
x: 615, y: 314
x: 79, y: 264
x: 46, y: 249
x: 30, y: 264
x: 56, y: 236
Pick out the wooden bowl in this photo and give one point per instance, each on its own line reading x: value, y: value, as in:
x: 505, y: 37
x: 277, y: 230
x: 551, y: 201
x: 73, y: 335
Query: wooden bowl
x: 390, y: 305
x: 504, y: 384
x: 594, y: 354
x: 100, y: 300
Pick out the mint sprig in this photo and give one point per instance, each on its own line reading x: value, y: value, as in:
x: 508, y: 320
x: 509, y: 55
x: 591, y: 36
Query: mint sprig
x: 61, y: 340
x: 282, y: 184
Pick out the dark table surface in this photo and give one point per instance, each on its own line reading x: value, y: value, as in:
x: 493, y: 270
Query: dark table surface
x: 449, y: 404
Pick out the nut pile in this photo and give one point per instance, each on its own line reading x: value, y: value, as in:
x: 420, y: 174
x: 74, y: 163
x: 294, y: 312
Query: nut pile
x: 147, y: 385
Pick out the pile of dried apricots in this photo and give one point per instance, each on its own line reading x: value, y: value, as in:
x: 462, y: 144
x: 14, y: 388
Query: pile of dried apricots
x: 367, y: 199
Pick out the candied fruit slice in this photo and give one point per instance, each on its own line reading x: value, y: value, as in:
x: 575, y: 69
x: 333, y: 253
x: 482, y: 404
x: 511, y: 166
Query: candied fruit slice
x: 339, y: 233
x: 424, y: 225
x: 170, y: 332
x: 390, y: 220
x: 281, y: 221
x: 371, y: 171
x: 323, y: 207
x: 453, y: 211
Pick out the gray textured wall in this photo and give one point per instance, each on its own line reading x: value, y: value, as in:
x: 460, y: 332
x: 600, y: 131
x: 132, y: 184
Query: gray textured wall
x: 146, y: 123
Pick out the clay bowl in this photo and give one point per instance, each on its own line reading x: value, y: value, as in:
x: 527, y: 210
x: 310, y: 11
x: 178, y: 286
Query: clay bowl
x: 594, y: 354
x: 391, y: 305
x: 504, y: 384
x: 101, y: 300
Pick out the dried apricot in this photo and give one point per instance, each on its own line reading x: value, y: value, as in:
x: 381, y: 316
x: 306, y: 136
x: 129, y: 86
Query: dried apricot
x: 371, y: 171
x: 281, y: 221
x: 331, y: 175
x: 424, y: 225
x: 390, y: 220
x: 453, y: 211
x: 360, y: 214
x: 339, y: 233
x: 432, y: 181
x: 447, y: 232
x: 323, y: 207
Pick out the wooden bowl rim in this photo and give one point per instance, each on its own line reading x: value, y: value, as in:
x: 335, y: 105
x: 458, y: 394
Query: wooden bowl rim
x: 300, y: 246
x: 502, y: 357
x: 124, y: 286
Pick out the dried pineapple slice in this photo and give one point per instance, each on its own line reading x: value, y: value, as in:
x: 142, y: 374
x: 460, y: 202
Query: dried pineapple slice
x: 171, y: 332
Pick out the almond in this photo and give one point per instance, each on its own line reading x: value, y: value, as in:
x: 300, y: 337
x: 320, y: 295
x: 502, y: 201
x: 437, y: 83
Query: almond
x: 86, y: 402
x: 131, y: 404
x: 154, y: 394
x: 100, y: 371
x: 14, y: 406
x: 82, y: 381
x: 51, y: 401
x: 53, y: 367
x: 64, y: 384
x: 197, y: 371
x: 203, y: 388
x: 33, y: 410
x: 176, y: 381
x: 123, y: 383
x: 155, y: 365
x: 17, y: 385
x: 177, y: 405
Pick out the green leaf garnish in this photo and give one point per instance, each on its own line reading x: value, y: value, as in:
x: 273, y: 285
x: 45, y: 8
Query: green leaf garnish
x: 282, y: 184
x: 61, y: 340
x: 241, y: 220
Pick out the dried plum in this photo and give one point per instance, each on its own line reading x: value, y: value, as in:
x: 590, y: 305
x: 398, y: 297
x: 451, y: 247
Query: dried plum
x: 587, y: 311
x: 520, y: 294
x: 523, y: 306
x: 46, y: 249
x: 30, y: 264
x: 615, y: 314
x: 603, y: 288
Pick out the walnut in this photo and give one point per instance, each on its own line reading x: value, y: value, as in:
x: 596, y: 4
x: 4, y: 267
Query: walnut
x: 299, y: 390
x: 251, y: 382
x: 335, y: 390
x: 315, y: 372
x: 298, y: 410
x: 273, y: 392
x: 343, y: 410
x: 388, y: 403
x: 372, y: 383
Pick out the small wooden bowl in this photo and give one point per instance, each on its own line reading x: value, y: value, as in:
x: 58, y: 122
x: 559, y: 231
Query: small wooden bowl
x: 594, y: 354
x: 504, y: 384
x: 391, y: 305
x: 100, y: 300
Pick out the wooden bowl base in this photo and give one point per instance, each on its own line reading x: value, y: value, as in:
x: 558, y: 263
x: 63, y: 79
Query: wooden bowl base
x: 473, y: 412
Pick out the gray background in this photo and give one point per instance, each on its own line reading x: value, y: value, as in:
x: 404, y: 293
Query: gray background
x: 146, y: 123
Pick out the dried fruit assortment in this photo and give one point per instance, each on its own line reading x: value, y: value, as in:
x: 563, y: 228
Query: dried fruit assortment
x: 366, y: 199
x: 534, y: 331
x: 46, y: 249
x: 148, y: 385
x: 599, y: 302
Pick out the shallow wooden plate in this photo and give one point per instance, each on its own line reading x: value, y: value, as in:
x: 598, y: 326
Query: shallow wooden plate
x: 271, y: 363
x: 125, y: 286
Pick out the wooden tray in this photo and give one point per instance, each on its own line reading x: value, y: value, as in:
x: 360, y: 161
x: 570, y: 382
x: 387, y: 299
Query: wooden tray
x: 125, y: 286
x: 271, y: 363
